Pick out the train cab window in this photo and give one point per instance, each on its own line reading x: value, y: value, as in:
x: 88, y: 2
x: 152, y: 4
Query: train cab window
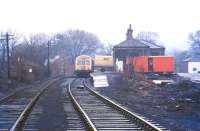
x: 83, y: 62
x: 79, y: 62
x: 194, y: 69
x: 87, y: 62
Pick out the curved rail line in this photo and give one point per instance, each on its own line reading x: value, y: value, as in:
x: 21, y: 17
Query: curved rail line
x: 15, y: 108
x: 2, y: 100
x: 100, y: 113
x: 22, y: 118
x: 68, y: 116
x: 135, y: 117
x: 86, y: 118
x: 97, y: 111
x: 74, y: 120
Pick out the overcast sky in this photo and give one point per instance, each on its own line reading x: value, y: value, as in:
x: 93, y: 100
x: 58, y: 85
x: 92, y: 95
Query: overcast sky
x: 108, y: 19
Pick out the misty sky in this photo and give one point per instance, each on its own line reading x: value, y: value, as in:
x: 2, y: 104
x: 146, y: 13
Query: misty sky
x: 108, y: 19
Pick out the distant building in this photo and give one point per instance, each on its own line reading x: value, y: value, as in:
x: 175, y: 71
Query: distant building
x: 27, y: 71
x: 135, y: 47
x: 190, y: 65
x: 60, y: 65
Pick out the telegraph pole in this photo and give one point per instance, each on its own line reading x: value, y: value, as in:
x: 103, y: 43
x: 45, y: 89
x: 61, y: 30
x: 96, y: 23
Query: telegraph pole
x: 48, y: 63
x: 8, y: 58
x: 7, y: 38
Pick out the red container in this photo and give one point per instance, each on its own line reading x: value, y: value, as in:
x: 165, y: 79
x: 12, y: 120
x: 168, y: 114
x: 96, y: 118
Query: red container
x: 156, y: 64
x: 163, y: 64
x: 139, y: 64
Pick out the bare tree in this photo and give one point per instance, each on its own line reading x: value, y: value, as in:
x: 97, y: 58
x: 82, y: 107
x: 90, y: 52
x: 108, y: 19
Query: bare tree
x: 31, y: 52
x: 78, y: 42
x: 35, y: 48
x: 14, y: 42
x: 194, y: 40
x: 2, y: 52
x: 152, y: 37
x: 180, y: 57
x: 2, y: 59
x: 108, y: 49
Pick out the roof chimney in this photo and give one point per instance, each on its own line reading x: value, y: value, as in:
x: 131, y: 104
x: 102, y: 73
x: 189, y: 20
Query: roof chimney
x: 129, y: 33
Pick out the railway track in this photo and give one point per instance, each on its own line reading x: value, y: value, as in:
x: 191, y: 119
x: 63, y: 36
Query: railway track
x: 72, y: 121
x: 15, y: 107
x: 2, y: 100
x: 100, y: 113
x: 80, y: 108
x: 25, y: 110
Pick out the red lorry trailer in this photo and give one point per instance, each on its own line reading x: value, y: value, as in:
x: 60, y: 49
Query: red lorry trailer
x: 155, y: 64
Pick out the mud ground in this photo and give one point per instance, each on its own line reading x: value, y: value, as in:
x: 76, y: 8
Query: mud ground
x: 176, y: 107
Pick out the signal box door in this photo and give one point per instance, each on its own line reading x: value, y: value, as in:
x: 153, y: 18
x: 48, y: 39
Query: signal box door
x: 150, y: 64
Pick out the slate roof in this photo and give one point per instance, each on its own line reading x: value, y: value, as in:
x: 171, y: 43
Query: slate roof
x: 192, y: 59
x: 152, y: 45
x: 132, y: 43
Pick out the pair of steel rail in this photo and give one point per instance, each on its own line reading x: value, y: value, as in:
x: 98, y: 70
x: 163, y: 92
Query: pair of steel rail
x: 139, y: 120
x: 18, y: 125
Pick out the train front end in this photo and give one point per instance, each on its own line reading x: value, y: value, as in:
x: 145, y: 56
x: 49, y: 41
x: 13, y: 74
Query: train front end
x: 83, y: 66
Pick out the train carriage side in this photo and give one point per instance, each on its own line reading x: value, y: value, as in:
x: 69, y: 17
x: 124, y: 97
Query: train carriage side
x: 103, y: 62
